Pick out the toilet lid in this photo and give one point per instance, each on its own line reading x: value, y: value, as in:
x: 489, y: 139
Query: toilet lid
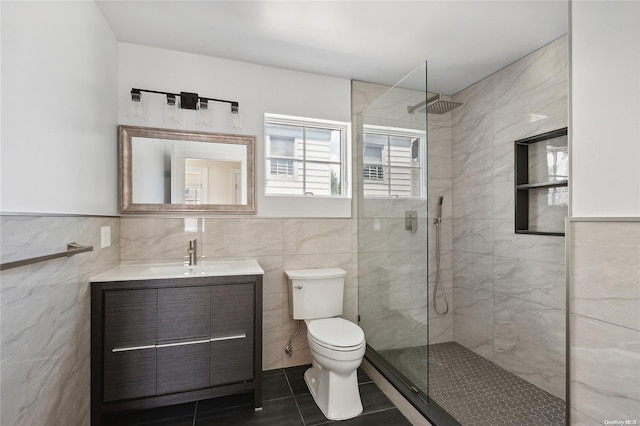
x: 335, y: 332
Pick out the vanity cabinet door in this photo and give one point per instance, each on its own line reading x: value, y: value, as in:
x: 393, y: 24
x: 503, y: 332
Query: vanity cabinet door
x: 183, y: 339
x: 129, y: 344
x: 232, y: 317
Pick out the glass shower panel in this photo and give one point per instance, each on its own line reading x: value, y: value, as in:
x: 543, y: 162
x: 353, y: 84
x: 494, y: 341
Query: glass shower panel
x: 391, y: 177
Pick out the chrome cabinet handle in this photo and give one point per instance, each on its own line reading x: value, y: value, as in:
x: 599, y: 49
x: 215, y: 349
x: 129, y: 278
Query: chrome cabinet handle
x: 191, y: 342
x: 299, y: 286
x: 133, y: 348
x: 235, y: 336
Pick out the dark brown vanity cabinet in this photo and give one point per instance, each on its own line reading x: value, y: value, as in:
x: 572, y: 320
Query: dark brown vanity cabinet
x: 162, y: 342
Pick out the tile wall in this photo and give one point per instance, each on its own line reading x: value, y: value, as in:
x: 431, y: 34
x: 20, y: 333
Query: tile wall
x: 509, y: 289
x: 277, y: 244
x: 45, y: 317
x: 605, y: 322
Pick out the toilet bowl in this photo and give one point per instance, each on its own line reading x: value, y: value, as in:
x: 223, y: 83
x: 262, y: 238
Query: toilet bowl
x: 337, y: 345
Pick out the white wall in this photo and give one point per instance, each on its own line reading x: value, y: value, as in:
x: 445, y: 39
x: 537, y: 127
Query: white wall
x: 605, y: 176
x: 59, y: 111
x: 258, y: 89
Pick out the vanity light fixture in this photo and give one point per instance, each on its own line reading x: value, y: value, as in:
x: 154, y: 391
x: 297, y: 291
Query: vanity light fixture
x: 176, y: 102
x: 136, y: 106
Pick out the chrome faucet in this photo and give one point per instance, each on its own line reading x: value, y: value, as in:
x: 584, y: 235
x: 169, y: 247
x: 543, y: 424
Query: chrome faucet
x: 192, y: 252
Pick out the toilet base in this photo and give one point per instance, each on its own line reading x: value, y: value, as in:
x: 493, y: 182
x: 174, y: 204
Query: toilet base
x: 337, y: 395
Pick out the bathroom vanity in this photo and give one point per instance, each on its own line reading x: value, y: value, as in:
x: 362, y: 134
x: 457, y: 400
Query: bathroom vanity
x: 166, y: 334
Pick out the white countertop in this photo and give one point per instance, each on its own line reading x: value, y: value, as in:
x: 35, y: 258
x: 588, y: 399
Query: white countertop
x: 150, y: 271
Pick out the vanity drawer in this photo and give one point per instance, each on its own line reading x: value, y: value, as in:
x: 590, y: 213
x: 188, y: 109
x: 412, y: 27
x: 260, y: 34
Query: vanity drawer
x: 183, y: 313
x: 130, y: 318
x: 129, y: 374
x: 183, y: 367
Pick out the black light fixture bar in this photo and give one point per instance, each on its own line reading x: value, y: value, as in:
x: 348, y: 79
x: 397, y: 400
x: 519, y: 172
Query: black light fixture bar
x: 187, y: 100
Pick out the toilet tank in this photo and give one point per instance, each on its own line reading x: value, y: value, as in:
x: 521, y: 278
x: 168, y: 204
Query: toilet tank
x: 315, y: 293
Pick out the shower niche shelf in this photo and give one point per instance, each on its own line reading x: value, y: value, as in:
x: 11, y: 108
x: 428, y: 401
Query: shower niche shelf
x: 541, y: 183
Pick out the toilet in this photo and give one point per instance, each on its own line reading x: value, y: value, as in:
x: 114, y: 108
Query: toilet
x: 337, y: 346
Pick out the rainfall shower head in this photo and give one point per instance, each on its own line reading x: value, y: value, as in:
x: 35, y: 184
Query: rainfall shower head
x: 434, y: 105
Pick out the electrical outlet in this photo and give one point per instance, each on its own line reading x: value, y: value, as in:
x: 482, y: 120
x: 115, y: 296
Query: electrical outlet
x: 105, y: 236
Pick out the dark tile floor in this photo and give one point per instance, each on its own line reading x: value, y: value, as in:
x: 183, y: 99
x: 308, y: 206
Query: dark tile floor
x: 286, y: 401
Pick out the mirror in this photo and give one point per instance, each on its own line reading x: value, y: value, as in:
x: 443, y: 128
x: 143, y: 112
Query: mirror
x: 175, y: 171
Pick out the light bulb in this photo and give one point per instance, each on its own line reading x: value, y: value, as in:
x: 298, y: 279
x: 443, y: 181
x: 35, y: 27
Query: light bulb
x: 205, y: 114
x: 172, y: 111
x: 136, y: 106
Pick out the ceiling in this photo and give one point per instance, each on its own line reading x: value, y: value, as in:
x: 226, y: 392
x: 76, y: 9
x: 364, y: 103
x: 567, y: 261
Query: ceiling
x: 374, y: 41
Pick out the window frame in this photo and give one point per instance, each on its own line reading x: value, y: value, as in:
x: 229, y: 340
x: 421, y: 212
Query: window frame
x: 300, y: 168
x: 390, y: 132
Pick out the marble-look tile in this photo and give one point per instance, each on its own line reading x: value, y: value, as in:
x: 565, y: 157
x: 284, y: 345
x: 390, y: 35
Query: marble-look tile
x: 477, y: 100
x: 472, y: 168
x: 440, y: 330
x: 539, y: 282
x: 544, y: 68
x: 580, y: 419
x: 503, y: 163
x: 38, y: 357
x: 43, y: 323
x: 506, y: 243
x: 440, y: 172
x: 473, y: 270
x: 473, y: 135
x: 249, y: 237
x: 604, y: 369
x: 538, y: 324
x: 474, y: 336
x: 272, y: 311
x: 313, y: 236
x: 31, y: 236
x: 473, y: 235
x: 385, y: 300
x: 535, y: 364
x: 377, y: 269
x: 531, y: 116
x: 157, y: 239
x: 18, y: 283
x: 388, y: 333
x: 440, y: 142
x: 503, y: 200
x: 350, y: 309
x: 386, y: 208
x: 273, y: 280
x: 89, y: 232
x: 473, y: 304
x: 606, y: 271
x: 272, y: 351
x: 473, y: 202
x: 382, y: 235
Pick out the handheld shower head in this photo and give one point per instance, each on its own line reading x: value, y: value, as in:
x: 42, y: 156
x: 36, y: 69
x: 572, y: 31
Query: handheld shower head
x: 440, y: 207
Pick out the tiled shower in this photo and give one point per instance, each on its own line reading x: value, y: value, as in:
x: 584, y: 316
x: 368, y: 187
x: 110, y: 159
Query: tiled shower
x: 506, y: 291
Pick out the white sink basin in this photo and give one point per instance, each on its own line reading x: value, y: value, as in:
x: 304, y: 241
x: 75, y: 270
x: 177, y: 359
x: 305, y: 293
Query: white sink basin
x: 208, y: 269
x: 146, y: 271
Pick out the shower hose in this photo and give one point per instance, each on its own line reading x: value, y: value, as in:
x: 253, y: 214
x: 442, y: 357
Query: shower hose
x: 438, y: 283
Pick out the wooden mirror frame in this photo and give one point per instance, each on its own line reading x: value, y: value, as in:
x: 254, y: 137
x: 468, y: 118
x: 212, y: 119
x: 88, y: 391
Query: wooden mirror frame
x: 125, y: 172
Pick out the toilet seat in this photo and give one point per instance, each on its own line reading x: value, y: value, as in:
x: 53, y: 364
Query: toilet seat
x: 336, y: 334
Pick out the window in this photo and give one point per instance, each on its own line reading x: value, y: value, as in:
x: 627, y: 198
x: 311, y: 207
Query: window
x: 305, y: 157
x: 392, y: 164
